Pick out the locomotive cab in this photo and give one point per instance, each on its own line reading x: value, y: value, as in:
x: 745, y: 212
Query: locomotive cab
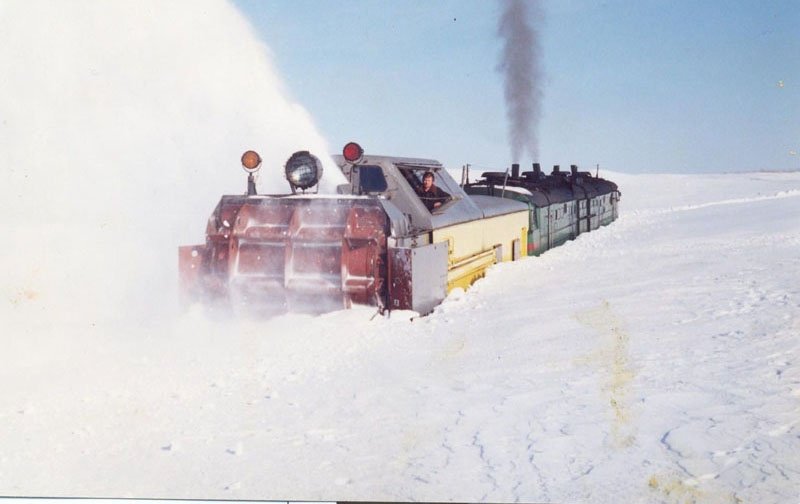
x: 396, y: 180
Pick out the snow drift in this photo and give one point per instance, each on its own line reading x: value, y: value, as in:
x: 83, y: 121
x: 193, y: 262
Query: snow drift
x: 653, y: 360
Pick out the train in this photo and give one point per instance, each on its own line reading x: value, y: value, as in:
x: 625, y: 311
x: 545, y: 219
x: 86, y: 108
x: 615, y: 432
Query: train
x: 562, y: 205
x: 378, y: 241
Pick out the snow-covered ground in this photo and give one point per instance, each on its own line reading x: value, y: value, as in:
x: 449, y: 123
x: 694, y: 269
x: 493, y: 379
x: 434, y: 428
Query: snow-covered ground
x: 652, y: 360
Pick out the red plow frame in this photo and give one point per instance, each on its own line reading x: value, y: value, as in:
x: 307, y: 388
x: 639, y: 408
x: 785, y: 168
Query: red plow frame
x: 277, y: 254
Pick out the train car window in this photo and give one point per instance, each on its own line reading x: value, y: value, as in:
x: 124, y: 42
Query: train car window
x: 414, y: 178
x: 371, y: 179
x: 411, y: 176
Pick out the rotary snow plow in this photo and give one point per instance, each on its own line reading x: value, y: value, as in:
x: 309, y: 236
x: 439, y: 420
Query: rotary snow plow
x: 379, y: 241
x: 289, y: 254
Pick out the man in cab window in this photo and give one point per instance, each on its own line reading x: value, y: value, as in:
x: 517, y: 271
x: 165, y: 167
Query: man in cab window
x: 431, y: 196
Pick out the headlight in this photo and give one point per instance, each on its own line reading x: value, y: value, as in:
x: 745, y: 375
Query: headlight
x: 251, y: 161
x: 303, y: 170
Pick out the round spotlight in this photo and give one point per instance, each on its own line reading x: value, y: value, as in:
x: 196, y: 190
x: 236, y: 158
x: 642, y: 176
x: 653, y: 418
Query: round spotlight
x: 352, y: 152
x: 251, y: 161
x: 303, y: 170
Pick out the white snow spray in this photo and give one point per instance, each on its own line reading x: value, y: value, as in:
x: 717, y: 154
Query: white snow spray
x: 522, y: 73
x: 121, y: 124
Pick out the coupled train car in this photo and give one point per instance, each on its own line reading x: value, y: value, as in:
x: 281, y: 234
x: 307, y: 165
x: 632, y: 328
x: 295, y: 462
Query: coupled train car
x: 564, y: 205
x: 376, y: 242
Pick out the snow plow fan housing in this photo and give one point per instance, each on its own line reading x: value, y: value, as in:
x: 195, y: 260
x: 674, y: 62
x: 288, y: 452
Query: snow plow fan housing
x: 269, y: 255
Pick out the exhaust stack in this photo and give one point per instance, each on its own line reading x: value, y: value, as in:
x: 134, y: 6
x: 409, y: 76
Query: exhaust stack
x: 515, y: 170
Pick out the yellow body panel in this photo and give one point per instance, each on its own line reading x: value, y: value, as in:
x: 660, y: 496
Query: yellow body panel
x: 472, y: 245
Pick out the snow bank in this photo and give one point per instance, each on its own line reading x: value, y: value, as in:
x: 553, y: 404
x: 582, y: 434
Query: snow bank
x: 652, y: 361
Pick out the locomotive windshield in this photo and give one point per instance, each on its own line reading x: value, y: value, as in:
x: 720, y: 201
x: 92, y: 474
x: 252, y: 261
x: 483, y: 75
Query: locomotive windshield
x: 371, y: 179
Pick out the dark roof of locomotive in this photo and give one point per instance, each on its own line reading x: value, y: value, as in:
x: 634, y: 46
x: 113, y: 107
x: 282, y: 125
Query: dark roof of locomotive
x: 558, y: 187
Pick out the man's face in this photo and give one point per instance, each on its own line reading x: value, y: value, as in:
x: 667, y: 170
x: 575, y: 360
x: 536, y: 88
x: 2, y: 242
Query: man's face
x: 427, y: 182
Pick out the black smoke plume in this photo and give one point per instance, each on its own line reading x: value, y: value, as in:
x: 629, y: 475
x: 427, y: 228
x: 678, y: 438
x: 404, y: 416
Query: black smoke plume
x: 522, y: 74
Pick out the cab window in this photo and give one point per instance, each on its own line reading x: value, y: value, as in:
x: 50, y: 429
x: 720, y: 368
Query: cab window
x: 371, y: 179
x: 413, y: 177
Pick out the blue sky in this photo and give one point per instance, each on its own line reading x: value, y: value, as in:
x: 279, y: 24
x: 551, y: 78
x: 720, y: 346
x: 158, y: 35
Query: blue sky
x: 636, y: 86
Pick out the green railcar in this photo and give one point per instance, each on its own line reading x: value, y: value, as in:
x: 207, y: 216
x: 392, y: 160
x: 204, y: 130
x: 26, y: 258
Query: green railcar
x: 562, y: 205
